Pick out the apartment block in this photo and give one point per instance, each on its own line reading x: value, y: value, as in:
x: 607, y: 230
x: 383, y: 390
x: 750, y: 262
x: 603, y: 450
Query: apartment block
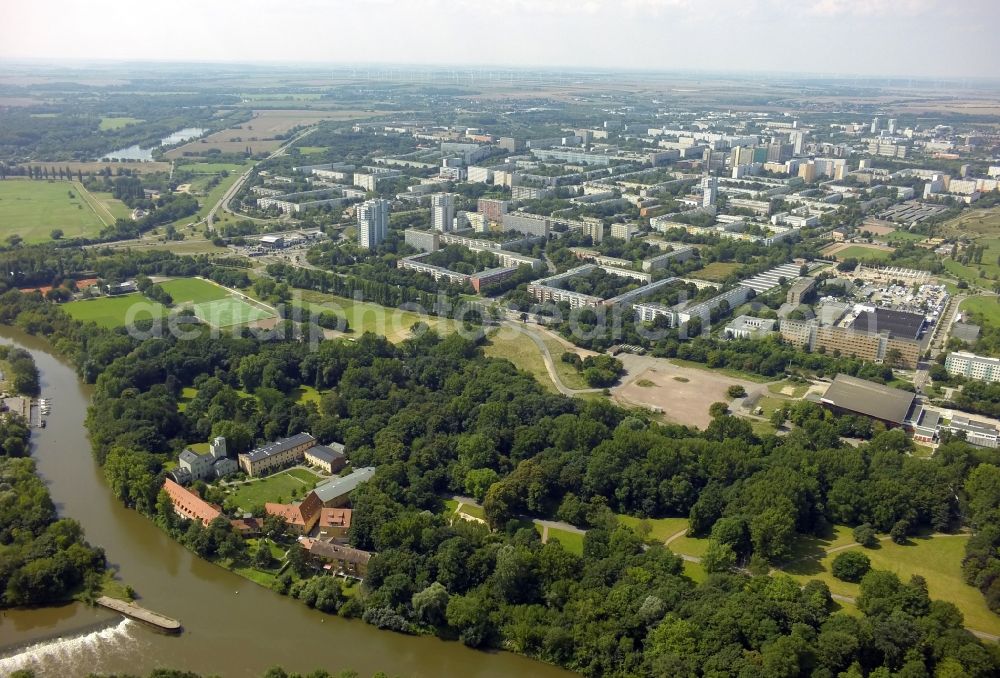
x: 972, y: 366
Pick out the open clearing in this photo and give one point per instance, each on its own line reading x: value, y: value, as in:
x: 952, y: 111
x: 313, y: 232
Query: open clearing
x: 117, y: 311
x: 521, y: 351
x: 987, y: 307
x: 97, y: 166
x: 118, y: 123
x: 938, y: 559
x: 843, y: 251
x: 717, y: 271
x: 261, y: 132
x: 32, y: 209
x: 681, y: 402
x: 362, y: 316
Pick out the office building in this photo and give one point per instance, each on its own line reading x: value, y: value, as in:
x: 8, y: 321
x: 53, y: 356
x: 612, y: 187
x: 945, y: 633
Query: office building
x: 443, y: 212
x: 799, y: 290
x: 373, y: 223
x: 842, y: 341
x: 972, y: 366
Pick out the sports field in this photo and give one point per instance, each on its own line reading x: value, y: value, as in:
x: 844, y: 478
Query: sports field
x: 212, y: 303
x: 32, y: 209
x: 115, y: 311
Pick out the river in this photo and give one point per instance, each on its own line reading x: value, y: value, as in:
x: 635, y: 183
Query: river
x: 135, y: 152
x: 232, y: 627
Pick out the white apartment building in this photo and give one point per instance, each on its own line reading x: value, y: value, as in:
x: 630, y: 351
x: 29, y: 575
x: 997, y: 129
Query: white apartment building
x: 373, y: 223
x: 972, y: 366
x: 443, y: 212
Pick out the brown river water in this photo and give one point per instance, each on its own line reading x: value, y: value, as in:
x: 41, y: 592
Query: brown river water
x: 232, y: 627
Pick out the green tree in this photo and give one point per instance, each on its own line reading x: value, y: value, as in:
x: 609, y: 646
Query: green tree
x: 850, y: 566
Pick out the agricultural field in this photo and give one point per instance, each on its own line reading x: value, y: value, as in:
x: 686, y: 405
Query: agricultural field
x: 260, y: 132
x: 117, y: 311
x: 717, y: 271
x: 986, y: 307
x: 32, y: 209
x: 280, y: 488
x: 113, y: 123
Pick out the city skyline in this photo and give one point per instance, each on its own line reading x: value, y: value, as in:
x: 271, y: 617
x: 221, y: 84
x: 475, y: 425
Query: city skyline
x: 921, y: 38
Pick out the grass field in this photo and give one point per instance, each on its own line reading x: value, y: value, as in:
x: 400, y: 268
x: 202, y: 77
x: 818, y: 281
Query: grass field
x: 571, y: 541
x: 716, y: 271
x: 277, y: 488
x: 117, y: 123
x: 660, y: 529
x: 363, y: 316
x: 32, y: 209
x: 212, y: 167
x: 570, y: 377
x: 521, y: 351
x: 899, y: 237
x: 789, y: 389
x: 735, y: 374
x: 987, y: 307
x: 115, y: 311
x: 193, y: 290
x: 311, y: 150
x: 938, y: 559
x: 308, y: 394
x: 862, y: 253
x: 982, y: 226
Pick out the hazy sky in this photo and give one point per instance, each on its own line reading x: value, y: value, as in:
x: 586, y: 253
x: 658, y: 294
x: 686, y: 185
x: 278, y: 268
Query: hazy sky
x: 905, y: 37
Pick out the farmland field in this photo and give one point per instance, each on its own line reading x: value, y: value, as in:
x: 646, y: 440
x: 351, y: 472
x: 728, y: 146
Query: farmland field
x: 31, y: 209
x: 716, y: 271
x: 115, y: 311
x: 260, y: 132
x: 118, y: 123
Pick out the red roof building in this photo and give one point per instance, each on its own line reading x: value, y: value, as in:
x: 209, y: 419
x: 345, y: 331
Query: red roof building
x: 300, y: 517
x: 189, y: 505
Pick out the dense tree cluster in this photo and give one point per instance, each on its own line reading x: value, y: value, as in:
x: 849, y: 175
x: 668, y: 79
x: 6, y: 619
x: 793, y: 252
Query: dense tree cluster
x: 23, y: 375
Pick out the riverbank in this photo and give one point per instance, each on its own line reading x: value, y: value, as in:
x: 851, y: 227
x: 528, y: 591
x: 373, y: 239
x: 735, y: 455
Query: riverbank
x: 219, y: 611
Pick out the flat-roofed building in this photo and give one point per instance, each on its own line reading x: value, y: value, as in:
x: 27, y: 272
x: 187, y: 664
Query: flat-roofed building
x: 975, y: 432
x: 972, y: 366
x: 900, y: 324
x: 851, y: 395
x: 800, y: 289
x: 336, y: 491
x: 852, y: 343
x: 749, y: 327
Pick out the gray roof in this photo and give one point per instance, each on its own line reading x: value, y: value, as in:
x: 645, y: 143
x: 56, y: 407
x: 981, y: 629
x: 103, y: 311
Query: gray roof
x: 868, y: 398
x: 189, y: 455
x: 327, y: 454
x: 338, y: 487
x: 279, y: 446
x: 902, y: 324
x: 965, y: 331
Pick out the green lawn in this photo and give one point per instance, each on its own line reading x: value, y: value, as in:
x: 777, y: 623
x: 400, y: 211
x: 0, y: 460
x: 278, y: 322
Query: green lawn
x: 308, y: 394
x: 695, y: 571
x: 32, y: 209
x: 212, y: 167
x: 716, y: 271
x: 116, y: 208
x: 276, y: 488
x: 474, y: 511
x: 689, y: 546
x: 194, y: 290
x: 987, y: 307
x: 937, y: 559
x: 659, y: 528
x: 570, y: 377
x: 571, y: 541
x: 117, y: 123
x: 115, y: 311
x: 862, y: 253
x: 898, y: 237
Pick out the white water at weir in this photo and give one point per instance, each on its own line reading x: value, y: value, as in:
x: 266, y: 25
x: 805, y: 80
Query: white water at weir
x: 79, y: 653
